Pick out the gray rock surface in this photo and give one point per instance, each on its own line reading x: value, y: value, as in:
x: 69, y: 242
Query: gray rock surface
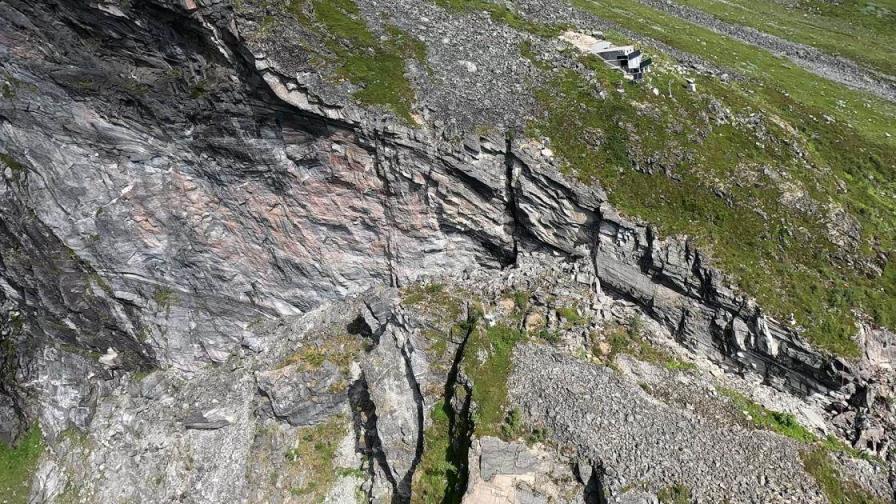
x: 186, y: 194
x: 639, y: 441
x: 304, y: 398
x: 395, y: 394
x: 510, y: 472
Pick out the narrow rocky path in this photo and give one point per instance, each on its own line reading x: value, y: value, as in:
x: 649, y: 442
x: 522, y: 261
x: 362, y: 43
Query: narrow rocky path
x: 835, y: 68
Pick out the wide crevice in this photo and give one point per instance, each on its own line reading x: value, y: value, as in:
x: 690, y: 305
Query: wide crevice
x: 403, y: 488
x: 457, y: 407
x: 594, y: 486
x: 364, y: 423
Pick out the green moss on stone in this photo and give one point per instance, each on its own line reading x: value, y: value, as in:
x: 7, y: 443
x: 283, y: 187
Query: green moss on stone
x: 17, y: 466
x: 836, y: 488
x: 376, y: 65
x: 488, y: 362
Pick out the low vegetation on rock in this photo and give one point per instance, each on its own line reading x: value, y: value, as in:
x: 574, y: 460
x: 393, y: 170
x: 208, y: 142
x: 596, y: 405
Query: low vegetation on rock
x: 17, y: 466
x: 837, y: 489
x: 340, y: 350
x: 376, y: 63
x: 629, y: 340
x: 314, y: 451
x: 675, y: 494
x: 747, y: 175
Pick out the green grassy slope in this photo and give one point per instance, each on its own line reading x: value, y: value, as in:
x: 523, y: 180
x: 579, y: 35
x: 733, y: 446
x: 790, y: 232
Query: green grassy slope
x: 760, y: 190
x: 374, y: 62
x: 864, y: 31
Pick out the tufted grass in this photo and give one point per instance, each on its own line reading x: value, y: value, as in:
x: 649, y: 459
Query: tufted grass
x: 488, y: 362
x: 674, y: 494
x: 376, y: 65
x: 438, y: 478
x: 784, y: 424
x: 314, y: 450
x: 837, y: 489
x: 17, y: 466
x: 629, y: 340
x: 340, y: 350
x: 787, y: 425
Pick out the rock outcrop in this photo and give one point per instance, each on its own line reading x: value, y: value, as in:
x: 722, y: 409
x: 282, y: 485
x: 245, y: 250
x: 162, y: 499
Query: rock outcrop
x: 171, y: 195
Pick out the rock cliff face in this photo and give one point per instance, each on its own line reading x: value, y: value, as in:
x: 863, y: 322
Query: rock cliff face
x: 176, y: 203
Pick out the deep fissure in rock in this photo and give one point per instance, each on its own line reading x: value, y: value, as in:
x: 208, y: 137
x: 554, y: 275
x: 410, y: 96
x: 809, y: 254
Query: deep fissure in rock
x: 364, y: 423
x: 403, y: 490
x: 458, y: 397
x: 510, y: 181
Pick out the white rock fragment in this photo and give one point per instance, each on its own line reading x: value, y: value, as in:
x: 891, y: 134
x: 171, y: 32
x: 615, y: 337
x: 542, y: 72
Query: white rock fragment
x: 469, y: 65
x: 110, y: 358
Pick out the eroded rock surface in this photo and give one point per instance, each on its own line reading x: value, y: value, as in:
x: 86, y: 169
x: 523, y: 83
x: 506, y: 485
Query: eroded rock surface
x: 201, y: 247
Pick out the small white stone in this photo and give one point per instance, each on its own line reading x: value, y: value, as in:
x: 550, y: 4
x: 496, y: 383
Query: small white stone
x: 547, y: 152
x: 110, y: 358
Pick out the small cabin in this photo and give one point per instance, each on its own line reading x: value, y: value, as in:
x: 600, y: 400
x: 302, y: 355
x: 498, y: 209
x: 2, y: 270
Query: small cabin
x: 626, y: 58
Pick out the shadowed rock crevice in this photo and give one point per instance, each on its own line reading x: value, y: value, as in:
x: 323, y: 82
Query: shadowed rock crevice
x: 403, y: 488
x: 593, y: 478
x: 364, y: 422
x: 457, y: 405
x: 510, y: 176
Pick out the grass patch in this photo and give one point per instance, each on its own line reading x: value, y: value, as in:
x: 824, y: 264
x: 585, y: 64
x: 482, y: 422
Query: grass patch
x: 832, y: 443
x: 842, y: 29
x: 784, y: 424
x: 375, y: 64
x: 628, y: 340
x: 571, y: 315
x: 870, y: 116
x: 548, y: 336
x: 837, y: 489
x: 504, y: 15
x: 340, y: 350
x: 488, y: 363
x: 661, y: 160
x: 515, y: 428
x: 438, y: 478
x: 434, y: 299
x: 521, y: 300
x: 17, y: 466
x: 441, y: 476
x: 787, y: 425
x: 314, y: 450
x: 675, y: 494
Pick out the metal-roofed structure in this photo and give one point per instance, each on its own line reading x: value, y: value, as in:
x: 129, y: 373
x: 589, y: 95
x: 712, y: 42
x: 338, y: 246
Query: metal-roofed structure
x: 627, y: 58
